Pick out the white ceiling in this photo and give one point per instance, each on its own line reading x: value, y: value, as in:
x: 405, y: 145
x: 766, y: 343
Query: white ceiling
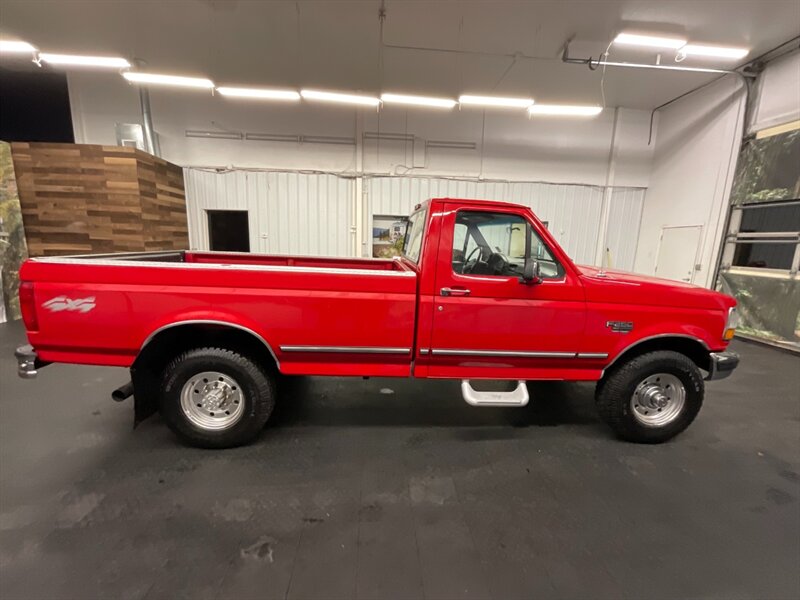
x: 334, y: 44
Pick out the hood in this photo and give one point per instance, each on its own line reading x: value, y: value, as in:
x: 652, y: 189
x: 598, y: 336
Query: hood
x: 631, y: 288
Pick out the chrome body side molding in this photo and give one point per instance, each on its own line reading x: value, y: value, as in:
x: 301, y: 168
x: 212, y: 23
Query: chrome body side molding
x: 346, y: 349
x: 501, y: 353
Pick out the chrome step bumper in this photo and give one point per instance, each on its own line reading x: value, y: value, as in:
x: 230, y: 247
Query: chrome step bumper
x: 722, y: 365
x: 28, y: 363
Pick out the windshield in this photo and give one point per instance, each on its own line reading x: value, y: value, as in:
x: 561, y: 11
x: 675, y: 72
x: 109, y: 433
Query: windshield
x: 412, y: 244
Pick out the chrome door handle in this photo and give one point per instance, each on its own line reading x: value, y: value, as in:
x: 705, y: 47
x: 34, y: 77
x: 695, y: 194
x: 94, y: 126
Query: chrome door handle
x: 454, y: 292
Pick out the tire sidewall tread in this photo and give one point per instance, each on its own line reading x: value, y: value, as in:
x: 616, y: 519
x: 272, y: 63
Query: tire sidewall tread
x: 615, y: 390
x: 258, y: 391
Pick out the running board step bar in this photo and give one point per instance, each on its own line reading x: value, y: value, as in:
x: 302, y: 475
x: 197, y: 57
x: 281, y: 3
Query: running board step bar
x: 517, y: 397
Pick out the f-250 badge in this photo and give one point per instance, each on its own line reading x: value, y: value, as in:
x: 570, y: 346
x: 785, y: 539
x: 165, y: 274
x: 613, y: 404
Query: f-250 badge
x: 61, y: 303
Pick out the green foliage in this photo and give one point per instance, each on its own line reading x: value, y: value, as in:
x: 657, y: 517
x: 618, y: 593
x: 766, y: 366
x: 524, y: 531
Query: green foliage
x: 13, y: 250
x: 768, y: 169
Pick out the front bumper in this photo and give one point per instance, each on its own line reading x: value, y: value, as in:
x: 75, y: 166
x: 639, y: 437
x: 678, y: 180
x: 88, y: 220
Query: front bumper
x: 28, y: 363
x: 722, y: 365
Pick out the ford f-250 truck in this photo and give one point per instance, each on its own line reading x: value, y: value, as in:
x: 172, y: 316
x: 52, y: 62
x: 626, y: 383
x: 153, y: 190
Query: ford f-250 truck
x: 482, y: 291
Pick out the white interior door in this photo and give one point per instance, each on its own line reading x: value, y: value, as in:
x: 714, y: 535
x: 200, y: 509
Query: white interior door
x: 677, y: 252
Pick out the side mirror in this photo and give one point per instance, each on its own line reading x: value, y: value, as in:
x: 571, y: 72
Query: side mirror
x: 531, y: 272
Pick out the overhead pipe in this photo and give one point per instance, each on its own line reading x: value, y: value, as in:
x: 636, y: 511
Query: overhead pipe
x: 150, y: 138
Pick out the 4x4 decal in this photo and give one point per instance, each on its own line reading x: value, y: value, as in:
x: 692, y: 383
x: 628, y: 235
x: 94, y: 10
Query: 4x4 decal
x: 60, y: 303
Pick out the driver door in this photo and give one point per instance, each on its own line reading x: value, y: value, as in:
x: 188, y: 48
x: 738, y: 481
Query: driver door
x: 487, y: 322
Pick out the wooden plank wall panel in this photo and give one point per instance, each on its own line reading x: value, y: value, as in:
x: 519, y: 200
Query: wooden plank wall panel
x: 81, y: 198
x: 163, y: 205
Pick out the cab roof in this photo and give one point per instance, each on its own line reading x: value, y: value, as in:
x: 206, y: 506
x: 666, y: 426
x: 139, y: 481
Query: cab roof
x: 471, y: 202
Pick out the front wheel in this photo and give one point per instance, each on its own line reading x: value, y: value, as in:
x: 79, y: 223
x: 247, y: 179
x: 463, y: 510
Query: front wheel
x: 216, y: 398
x: 652, y: 398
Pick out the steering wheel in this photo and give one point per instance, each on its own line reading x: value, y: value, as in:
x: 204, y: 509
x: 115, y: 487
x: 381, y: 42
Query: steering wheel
x: 469, y: 256
x: 498, y: 263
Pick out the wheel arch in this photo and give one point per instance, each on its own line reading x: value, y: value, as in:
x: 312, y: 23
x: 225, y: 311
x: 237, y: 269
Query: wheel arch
x: 177, y: 336
x: 692, y: 347
x: 167, y: 341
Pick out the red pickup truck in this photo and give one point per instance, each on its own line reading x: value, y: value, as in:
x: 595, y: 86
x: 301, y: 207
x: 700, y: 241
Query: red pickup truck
x: 482, y: 291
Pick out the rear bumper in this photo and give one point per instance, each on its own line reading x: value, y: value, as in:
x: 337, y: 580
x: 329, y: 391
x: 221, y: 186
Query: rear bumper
x: 28, y: 362
x: 722, y: 365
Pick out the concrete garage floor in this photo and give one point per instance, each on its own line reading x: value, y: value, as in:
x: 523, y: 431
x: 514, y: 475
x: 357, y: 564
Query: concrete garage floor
x: 357, y: 492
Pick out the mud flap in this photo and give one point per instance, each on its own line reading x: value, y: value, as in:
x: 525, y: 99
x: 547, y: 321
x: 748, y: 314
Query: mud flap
x: 145, y: 395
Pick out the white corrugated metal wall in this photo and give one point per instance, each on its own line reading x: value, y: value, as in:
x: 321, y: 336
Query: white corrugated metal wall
x: 573, y: 212
x: 290, y: 212
x: 310, y: 213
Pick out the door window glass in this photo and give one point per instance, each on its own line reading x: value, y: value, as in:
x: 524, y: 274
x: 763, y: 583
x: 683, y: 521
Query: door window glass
x: 486, y: 243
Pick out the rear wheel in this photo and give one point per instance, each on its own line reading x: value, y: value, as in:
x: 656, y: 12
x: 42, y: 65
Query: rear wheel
x: 216, y: 398
x: 651, y: 398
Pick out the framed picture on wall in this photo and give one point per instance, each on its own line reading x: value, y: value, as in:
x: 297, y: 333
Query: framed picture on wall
x: 387, y: 235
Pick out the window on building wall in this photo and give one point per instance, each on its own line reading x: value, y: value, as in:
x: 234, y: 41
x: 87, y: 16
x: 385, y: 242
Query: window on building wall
x: 761, y: 255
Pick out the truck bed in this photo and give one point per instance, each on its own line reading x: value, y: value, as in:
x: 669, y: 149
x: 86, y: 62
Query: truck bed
x: 322, y: 316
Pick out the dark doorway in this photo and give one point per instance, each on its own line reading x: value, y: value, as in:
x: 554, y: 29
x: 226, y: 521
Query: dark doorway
x: 228, y: 230
x: 34, y: 106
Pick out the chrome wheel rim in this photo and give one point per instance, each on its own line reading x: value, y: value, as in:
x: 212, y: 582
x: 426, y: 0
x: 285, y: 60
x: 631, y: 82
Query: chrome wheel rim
x: 658, y: 400
x: 212, y: 400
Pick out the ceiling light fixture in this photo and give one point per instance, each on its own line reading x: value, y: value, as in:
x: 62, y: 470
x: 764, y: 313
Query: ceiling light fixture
x: 341, y: 98
x: 16, y: 46
x: 567, y: 110
x: 214, y: 135
x: 74, y: 60
x: 259, y: 93
x: 713, y: 51
x: 651, y: 41
x: 496, y: 101
x: 418, y: 100
x: 157, y: 79
x: 609, y: 63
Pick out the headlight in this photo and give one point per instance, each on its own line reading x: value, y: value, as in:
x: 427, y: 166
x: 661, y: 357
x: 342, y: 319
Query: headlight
x: 731, y: 324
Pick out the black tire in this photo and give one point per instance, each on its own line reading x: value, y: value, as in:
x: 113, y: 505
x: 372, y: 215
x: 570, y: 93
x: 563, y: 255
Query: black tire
x: 615, y: 393
x: 257, y: 394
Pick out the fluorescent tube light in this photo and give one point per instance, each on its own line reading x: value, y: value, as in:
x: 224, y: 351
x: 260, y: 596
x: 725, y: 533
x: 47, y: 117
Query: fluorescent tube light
x: 214, y: 135
x: 15, y: 46
x: 652, y: 41
x: 451, y: 145
x: 387, y: 136
x: 327, y: 139
x: 109, y: 62
x: 196, y: 82
x: 342, y: 98
x: 259, y: 93
x: 713, y: 51
x: 611, y: 63
x: 418, y: 100
x: 272, y: 137
x: 496, y: 101
x: 573, y: 110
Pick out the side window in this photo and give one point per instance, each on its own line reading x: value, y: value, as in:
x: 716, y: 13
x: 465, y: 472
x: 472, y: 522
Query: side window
x: 487, y: 243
